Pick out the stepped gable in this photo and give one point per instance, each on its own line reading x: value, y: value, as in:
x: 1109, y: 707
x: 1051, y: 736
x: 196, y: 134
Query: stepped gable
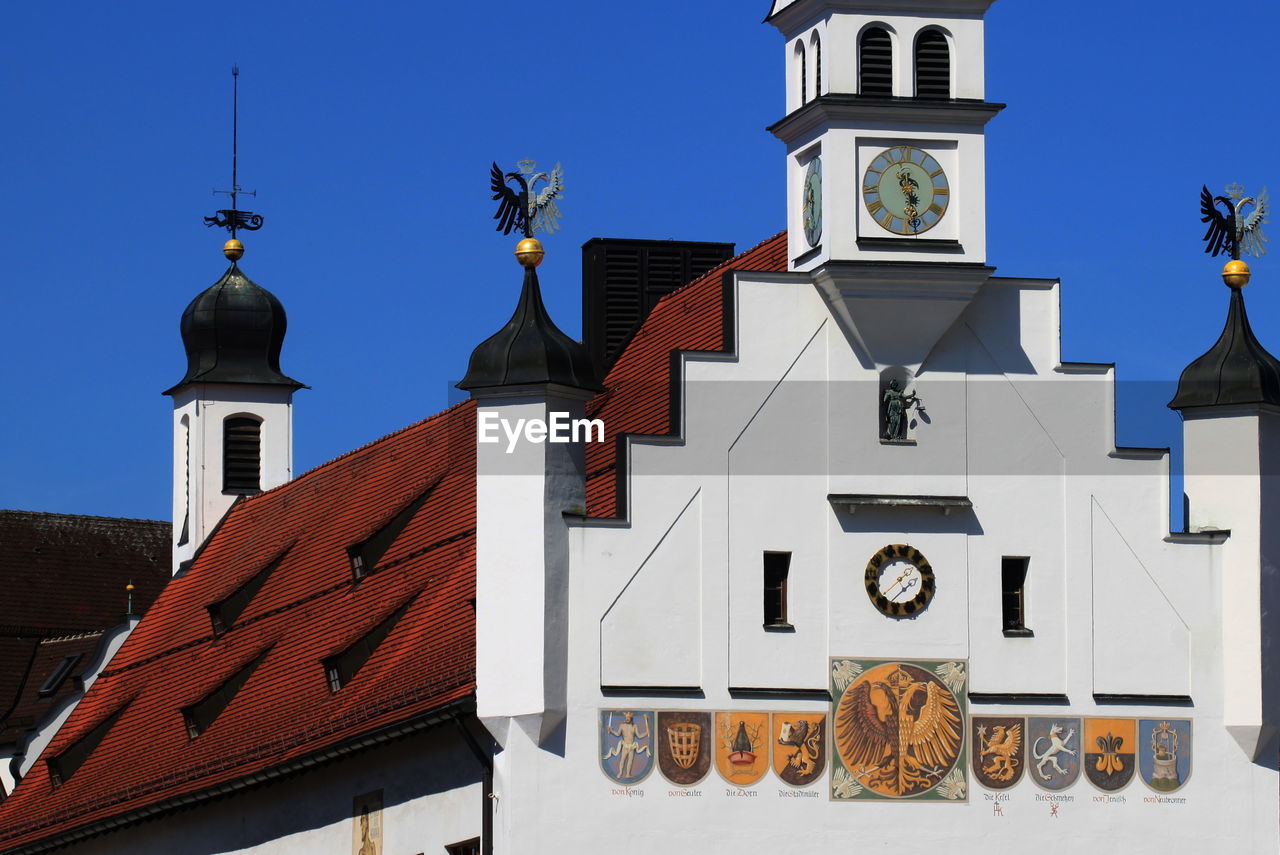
x: 638, y: 399
x: 307, y: 609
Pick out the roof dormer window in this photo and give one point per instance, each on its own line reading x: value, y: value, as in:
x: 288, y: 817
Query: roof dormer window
x: 341, y: 668
x: 368, y: 552
x: 224, y: 613
x: 64, y: 765
x: 200, y: 716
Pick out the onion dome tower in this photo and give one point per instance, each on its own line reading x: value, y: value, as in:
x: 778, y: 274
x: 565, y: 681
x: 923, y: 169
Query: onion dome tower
x: 1237, y: 370
x: 525, y: 380
x: 530, y: 349
x: 1229, y: 400
x: 233, y: 409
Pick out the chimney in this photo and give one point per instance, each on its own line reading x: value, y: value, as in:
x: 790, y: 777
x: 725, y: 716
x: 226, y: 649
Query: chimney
x: 622, y: 280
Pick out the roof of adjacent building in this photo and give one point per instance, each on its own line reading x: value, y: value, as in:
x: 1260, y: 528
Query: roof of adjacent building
x: 1236, y: 370
x: 297, y: 540
x: 308, y: 608
x: 64, y: 575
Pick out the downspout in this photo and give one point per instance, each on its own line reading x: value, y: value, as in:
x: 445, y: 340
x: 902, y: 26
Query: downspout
x: 485, y: 758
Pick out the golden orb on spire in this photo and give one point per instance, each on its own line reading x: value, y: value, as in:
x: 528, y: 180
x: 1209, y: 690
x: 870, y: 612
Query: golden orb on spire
x: 1236, y: 274
x: 233, y: 249
x: 529, y: 252
x: 129, y: 587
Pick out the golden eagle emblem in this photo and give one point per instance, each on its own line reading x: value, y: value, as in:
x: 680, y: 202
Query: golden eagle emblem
x: 898, y: 730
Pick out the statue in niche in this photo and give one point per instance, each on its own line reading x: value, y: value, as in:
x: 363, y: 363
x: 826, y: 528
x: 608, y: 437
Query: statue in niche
x: 897, y: 409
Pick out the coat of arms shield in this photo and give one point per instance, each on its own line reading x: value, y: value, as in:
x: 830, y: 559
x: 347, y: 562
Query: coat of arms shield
x: 1110, y: 745
x: 742, y: 756
x: 626, y: 745
x: 685, y: 746
x: 1053, y: 744
x: 999, y: 750
x: 1164, y: 753
x: 799, y: 745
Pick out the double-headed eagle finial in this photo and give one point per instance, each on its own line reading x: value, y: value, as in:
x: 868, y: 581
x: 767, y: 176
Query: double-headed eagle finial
x: 527, y: 209
x: 1235, y: 231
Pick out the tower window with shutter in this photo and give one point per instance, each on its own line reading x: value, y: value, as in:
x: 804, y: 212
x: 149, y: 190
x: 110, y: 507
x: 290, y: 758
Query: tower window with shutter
x: 803, y: 72
x: 933, y: 66
x: 242, y: 455
x: 875, y: 63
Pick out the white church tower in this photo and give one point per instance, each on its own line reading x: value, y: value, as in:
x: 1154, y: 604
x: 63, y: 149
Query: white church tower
x: 233, y: 411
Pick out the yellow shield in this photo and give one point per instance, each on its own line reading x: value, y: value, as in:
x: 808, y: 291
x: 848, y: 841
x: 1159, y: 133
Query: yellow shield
x: 742, y: 752
x: 799, y: 744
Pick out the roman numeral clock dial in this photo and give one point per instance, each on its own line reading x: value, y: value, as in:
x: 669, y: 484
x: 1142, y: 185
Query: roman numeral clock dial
x: 905, y: 190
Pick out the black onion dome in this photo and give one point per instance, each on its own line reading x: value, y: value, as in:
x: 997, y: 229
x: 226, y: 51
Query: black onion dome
x: 1236, y: 370
x: 233, y: 333
x: 530, y: 350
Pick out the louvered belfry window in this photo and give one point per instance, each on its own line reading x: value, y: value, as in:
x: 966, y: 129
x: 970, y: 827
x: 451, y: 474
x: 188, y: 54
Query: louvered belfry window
x: 242, y: 455
x: 933, y: 66
x: 875, y: 66
x: 804, y: 74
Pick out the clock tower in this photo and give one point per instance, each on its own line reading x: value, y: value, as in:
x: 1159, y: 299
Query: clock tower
x: 885, y: 123
x: 886, y: 162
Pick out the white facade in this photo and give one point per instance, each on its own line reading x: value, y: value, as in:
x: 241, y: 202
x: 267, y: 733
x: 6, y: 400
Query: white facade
x: 781, y: 449
x: 200, y: 412
x: 428, y: 785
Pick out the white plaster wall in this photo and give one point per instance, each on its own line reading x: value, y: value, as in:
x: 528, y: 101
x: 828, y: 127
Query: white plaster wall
x: 206, y: 406
x: 431, y: 798
x: 1116, y: 606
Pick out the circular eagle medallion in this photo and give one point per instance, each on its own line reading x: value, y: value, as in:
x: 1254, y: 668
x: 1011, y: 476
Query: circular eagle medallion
x: 899, y: 730
x: 812, y: 205
x: 905, y: 190
x: 899, y: 581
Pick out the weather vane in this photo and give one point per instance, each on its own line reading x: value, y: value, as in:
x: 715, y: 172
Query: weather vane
x: 527, y: 210
x: 1234, y: 231
x: 233, y: 219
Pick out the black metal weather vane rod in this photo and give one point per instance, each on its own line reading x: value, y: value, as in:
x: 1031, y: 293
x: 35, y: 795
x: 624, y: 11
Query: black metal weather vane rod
x: 233, y: 219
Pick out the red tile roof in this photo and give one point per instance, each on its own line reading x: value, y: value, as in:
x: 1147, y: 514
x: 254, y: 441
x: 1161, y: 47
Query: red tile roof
x: 638, y: 396
x: 307, y: 610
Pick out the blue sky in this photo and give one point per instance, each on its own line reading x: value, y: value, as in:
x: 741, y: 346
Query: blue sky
x: 367, y: 132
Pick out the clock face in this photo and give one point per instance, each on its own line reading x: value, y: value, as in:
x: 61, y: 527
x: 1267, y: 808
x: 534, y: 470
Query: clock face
x: 905, y: 190
x: 812, y: 209
x: 899, y: 581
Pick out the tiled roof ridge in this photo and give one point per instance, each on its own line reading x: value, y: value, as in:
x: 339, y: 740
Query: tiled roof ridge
x: 313, y: 470
x: 405, y: 698
x: 73, y: 637
x: 88, y: 517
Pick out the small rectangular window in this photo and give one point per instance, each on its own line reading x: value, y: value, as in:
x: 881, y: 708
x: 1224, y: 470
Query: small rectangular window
x: 1013, y: 594
x: 776, y: 567
x: 468, y: 847
x: 59, y: 675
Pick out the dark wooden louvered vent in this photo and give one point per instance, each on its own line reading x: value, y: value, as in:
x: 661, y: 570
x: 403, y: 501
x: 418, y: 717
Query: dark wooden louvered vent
x: 242, y: 456
x: 875, y: 68
x: 622, y: 280
x: 804, y: 75
x: 933, y: 66
x: 817, y: 66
